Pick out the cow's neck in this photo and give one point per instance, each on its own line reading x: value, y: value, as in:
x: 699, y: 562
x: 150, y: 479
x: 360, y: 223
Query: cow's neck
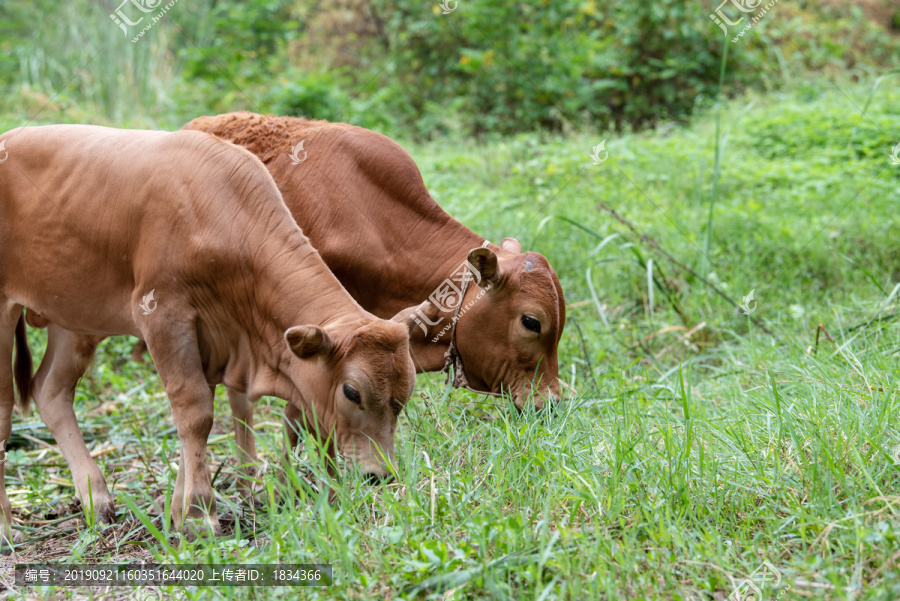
x: 423, y: 272
x: 296, y: 289
x: 299, y: 289
x: 406, y: 250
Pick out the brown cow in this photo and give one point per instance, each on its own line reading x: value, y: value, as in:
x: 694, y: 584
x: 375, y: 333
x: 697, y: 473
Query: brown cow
x: 182, y: 240
x: 361, y: 200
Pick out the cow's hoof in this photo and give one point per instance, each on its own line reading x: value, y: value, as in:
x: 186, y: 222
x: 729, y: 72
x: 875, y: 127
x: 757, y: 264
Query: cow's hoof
x: 106, y: 515
x: 7, y: 545
x: 194, y: 528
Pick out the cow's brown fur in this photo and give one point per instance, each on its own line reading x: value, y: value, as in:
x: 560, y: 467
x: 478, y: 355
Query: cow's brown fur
x: 93, y: 219
x: 361, y: 200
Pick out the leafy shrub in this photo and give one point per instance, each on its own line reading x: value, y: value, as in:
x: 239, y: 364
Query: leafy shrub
x: 238, y: 42
x: 311, y: 95
x: 507, y: 67
x: 402, y: 66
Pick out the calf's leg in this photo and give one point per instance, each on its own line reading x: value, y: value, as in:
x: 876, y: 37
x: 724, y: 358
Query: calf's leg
x: 174, y: 348
x: 64, y: 362
x: 138, y: 350
x: 242, y: 415
x: 293, y: 425
x: 9, y: 317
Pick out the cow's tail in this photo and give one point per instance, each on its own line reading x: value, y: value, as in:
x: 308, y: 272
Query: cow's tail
x: 22, y: 372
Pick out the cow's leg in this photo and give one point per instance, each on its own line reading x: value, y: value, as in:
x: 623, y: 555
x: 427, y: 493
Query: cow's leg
x: 138, y: 350
x: 64, y: 362
x: 174, y: 348
x: 293, y: 425
x: 242, y: 414
x: 9, y: 317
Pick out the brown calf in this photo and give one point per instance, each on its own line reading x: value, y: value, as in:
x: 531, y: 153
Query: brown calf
x: 182, y: 240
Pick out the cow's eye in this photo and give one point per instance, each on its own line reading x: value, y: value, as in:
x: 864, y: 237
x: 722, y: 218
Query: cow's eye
x: 352, y: 394
x: 531, y: 323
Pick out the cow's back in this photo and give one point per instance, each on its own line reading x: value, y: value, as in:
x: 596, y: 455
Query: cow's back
x: 86, y: 210
x: 357, y: 194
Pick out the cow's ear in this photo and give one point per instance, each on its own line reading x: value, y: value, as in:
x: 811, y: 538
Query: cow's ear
x: 308, y: 341
x: 418, y: 316
x: 484, y: 266
x: 512, y: 245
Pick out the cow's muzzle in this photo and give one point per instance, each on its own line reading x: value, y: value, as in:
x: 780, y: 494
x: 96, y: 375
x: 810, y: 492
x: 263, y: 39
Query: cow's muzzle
x: 537, y: 401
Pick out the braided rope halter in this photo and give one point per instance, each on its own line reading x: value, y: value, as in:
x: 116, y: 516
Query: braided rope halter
x: 452, y: 358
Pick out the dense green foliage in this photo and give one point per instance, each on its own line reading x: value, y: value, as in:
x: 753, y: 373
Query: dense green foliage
x: 404, y: 67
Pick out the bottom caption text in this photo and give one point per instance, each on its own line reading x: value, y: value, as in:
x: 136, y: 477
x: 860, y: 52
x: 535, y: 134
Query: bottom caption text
x: 58, y: 574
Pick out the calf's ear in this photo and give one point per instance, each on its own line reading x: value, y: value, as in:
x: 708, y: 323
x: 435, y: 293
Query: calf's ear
x: 418, y: 316
x: 512, y: 245
x: 484, y: 266
x: 308, y: 341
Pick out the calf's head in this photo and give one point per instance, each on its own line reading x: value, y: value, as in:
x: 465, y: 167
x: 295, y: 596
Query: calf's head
x: 508, y: 337
x: 358, y: 377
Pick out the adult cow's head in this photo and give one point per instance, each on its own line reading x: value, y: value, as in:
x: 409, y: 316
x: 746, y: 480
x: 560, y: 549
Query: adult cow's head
x: 358, y: 377
x: 508, y: 338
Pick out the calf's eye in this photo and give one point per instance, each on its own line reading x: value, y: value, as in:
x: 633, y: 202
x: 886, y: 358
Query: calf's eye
x: 531, y: 323
x: 352, y: 394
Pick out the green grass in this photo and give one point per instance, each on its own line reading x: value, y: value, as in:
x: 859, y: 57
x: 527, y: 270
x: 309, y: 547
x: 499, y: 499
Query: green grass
x: 679, y: 464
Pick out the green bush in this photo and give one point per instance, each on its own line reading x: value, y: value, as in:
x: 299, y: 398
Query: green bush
x: 237, y: 42
x: 402, y: 66
x: 507, y: 67
x: 311, y: 95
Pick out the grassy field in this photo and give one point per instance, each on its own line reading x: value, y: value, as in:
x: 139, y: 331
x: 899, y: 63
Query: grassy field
x: 693, y: 447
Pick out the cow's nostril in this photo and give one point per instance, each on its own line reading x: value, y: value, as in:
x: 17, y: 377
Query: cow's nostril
x: 376, y: 479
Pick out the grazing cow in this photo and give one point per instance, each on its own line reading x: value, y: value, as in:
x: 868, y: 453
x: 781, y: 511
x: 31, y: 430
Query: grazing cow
x: 361, y: 200
x: 183, y: 240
